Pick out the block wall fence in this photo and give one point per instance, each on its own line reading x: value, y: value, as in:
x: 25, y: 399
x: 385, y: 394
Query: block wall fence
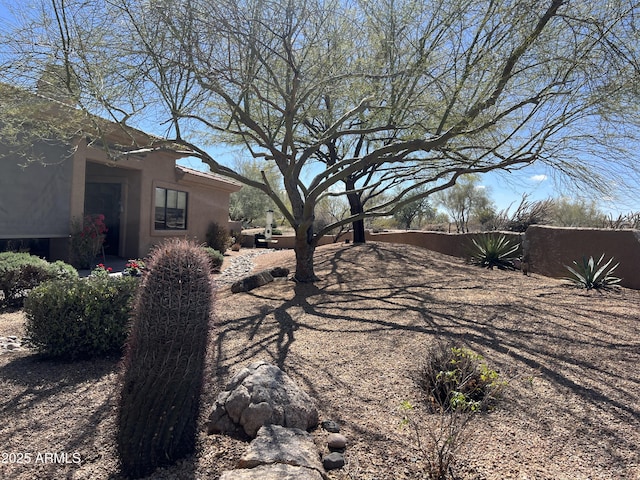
x: 548, y: 249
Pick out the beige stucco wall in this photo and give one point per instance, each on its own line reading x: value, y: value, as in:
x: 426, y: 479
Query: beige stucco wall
x: 453, y: 244
x: 208, y: 198
x: 551, y: 248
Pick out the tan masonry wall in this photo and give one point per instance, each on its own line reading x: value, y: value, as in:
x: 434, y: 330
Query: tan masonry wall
x: 551, y: 248
x: 548, y: 249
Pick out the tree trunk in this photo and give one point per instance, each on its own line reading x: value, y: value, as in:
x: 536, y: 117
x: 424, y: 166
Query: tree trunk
x: 358, y: 231
x: 304, y: 248
x: 356, y: 207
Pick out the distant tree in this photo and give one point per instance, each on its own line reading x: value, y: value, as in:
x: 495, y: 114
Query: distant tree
x: 414, y: 213
x: 330, y: 211
x: 249, y: 204
x: 577, y: 213
x: 465, y: 199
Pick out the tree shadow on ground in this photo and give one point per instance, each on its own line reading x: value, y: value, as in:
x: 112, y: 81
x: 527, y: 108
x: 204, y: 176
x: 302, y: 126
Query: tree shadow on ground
x: 41, y: 384
x: 531, y: 328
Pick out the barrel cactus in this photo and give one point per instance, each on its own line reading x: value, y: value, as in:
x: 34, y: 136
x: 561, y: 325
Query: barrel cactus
x: 164, y: 364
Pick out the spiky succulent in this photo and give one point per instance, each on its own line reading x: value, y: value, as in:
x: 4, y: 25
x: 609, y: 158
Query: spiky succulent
x: 593, y: 274
x: 494, y: 251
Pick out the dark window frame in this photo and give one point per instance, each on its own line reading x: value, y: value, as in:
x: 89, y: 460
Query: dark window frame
x: 164, y: 218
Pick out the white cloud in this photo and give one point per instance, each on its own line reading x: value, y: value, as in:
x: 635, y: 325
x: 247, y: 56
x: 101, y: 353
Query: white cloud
x: 538, y: 178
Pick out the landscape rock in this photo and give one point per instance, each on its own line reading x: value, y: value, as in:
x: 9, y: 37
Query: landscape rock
x: 252, y: 281
x: 10, y: 342
x: 239, y: 267
x: 278, y: 471
x: 336, y: 441
x: 276, y: 444
x: 333, y: 461
x: 262, y: 394
x: 331, y: 426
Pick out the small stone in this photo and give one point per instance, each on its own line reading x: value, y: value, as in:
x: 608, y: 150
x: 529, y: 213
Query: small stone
x: 331, y: 426
x: 12, y: 346
x: 336, y: 441
x: 333, y: 461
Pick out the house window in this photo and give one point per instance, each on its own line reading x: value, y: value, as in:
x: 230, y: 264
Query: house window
x: 171, y: 209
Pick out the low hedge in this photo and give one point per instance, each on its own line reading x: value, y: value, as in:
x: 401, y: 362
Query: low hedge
x: 79, y: 318
x: 20, y: 272
x: 215, y: 258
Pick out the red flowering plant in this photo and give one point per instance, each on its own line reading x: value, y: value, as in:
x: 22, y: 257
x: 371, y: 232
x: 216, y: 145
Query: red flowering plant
x: 87, y: 237
x: 134, y: 268
x: 101, y: 271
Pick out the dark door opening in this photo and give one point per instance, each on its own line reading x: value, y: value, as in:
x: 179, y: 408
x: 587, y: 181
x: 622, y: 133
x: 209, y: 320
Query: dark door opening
x: 105, y: 198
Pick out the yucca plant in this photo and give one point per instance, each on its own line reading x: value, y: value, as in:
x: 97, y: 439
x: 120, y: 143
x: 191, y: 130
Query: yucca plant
x: 591, y: 274
x: 494, y: 251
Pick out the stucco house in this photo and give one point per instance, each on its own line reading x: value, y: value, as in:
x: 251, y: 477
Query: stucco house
x: 144, y: 197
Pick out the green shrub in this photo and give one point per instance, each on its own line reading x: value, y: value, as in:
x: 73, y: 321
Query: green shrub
x: 79, y: 318
x: 165, y: 361
x: 456, y: 379
x: 276, y: 231
x: 20, y: 272
x: 218, y: 237
x: 215, y: 258
x: 591, y: 274
x: 492, y: 250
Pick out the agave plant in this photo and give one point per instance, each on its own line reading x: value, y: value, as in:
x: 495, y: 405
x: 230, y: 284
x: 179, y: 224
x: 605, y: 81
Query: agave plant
x: 591, y: 274
x: 494, y: 251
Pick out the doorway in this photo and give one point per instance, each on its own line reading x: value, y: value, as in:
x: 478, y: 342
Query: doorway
x: 106, y: 198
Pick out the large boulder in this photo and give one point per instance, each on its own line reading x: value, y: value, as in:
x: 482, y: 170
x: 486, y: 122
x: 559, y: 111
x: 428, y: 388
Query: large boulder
x: 279, y: 445
x: 262, y: 394
x: 277, y: 471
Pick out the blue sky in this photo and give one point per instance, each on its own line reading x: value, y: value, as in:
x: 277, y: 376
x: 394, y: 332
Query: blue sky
x: 504, y: 189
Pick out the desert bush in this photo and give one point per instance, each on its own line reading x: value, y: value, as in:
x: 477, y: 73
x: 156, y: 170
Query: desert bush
x: 79, y: 318
x: 20, y: 272
x: 165, y: 360
x: 215, y: 258
x: 457, y: 379
x: 218, y: 237
x: 439, y: 437
x: 593, y: 274
x: 457, y: 384
x: 492, y: 250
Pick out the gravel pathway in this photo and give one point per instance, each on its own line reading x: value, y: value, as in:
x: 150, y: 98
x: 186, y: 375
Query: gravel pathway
x: 240, y: 267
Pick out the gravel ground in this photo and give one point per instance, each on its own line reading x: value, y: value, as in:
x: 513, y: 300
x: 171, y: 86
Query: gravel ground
x: 355, y: 340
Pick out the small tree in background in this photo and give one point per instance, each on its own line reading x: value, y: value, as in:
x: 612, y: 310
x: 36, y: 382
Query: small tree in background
x: 577, y: 213
x: 414, y: 213
x: 464, y: 200
x: 249, y: 204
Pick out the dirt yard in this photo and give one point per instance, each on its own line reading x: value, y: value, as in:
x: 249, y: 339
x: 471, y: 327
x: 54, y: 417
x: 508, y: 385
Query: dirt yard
x: 355, y: 340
